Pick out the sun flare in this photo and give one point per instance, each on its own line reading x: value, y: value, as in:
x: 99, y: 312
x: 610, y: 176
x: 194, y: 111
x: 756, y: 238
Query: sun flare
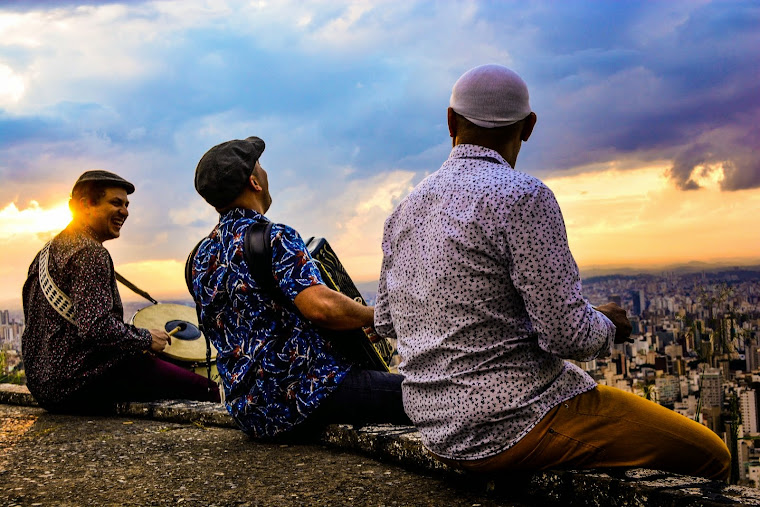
x: 33, y: 219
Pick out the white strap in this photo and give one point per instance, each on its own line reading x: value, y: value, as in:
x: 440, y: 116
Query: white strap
x: 58, y: 299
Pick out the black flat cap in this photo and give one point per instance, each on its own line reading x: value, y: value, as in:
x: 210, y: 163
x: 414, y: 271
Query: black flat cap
x: 105, y: 177
x: 223, y: 171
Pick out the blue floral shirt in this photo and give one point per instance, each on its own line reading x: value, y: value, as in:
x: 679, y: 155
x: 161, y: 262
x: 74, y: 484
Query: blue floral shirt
x: 275, y: 366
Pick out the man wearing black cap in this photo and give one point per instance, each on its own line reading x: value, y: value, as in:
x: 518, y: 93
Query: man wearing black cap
x: 480, y: 288
x: 79, y: 355
x: 277, y: 369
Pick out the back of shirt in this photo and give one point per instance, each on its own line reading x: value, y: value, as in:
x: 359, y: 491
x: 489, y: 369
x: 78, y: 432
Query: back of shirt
x: 481, y: 290
x: 275, y: 366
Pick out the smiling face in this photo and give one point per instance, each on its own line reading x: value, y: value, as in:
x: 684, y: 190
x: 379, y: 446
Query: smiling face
x: 107, y: 216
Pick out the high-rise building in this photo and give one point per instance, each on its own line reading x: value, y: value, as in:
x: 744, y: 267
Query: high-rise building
x: 638, y: 302
x: 711, y: 418
x: 619, y: 361
x: 725, y: 369
x: 711, y: 388
x: 5, y: 317
x: 635, y: 325
x: 751, y: 356
x: 668, y: 389
x: 748, y: 408
x: 674, y: 350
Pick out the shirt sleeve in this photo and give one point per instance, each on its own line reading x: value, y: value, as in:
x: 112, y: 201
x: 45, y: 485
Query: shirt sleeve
x: 293, y: 268
x: 92, y: 295
x: 383, y: 320
x: 544, y: 272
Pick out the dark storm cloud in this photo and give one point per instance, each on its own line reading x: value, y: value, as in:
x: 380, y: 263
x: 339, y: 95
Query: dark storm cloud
x: 685, y: 89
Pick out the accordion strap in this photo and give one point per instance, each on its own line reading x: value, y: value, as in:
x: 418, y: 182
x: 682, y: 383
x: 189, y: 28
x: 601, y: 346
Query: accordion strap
x: 58, y: 299
x: 257, y: 250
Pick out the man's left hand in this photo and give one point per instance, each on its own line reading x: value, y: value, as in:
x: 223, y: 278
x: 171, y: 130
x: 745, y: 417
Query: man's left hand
x: 619, y: 318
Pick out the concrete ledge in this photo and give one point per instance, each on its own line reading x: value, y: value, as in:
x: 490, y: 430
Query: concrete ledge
x: 181, y: 411
x: 402, y: 445
x: 12, y: 394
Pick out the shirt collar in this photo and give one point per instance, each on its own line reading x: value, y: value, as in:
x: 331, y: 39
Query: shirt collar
x: 238, y: 213
x: 476, y: 151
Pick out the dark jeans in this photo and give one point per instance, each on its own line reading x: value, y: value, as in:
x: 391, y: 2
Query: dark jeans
x: 141, y: 378
x: 363, y: 397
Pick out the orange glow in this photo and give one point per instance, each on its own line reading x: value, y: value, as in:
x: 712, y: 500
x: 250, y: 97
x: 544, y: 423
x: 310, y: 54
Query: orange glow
x: 33, y: 219
x: 636, y: 218
x: 163, y: 279
x: 615, y: 218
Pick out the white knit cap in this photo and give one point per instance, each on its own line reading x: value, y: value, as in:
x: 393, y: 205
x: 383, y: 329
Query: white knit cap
x: 491, y: 96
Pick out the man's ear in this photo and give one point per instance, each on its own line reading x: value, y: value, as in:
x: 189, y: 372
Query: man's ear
x: 451, y: 117
x: 84, y: 204
x: 530, y: 122
x: 254, y: 182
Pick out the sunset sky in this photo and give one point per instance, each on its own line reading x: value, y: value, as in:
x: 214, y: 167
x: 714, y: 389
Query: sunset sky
x: 648, y: 119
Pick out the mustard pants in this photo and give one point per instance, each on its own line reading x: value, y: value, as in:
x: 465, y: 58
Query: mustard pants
x: 608, y: 427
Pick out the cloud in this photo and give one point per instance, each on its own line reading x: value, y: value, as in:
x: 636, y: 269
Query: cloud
x: 732, y: 149
x: 647, y: 93
x: 23, y: 231
x: 11, y: 86
x: 33, y: 220
x: 349, y: 215
x: 353, y: 94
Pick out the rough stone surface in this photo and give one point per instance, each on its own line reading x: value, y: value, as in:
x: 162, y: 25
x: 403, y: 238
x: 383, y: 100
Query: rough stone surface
x: 16, y: 395
x: 49, y: 459
x: 188, y: 452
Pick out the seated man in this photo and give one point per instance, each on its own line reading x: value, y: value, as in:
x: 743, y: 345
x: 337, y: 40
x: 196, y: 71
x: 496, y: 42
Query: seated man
x: 78, y: 353
x: 480, y: 288
x: 281, y: 377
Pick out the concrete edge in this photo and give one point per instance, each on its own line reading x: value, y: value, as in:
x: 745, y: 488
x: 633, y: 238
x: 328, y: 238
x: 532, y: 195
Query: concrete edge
x: 402, y: 445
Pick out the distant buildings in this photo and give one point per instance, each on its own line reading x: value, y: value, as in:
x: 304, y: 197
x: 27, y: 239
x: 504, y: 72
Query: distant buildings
x: 696, y: 350
x: 10, y: 348
x: 10, y: 332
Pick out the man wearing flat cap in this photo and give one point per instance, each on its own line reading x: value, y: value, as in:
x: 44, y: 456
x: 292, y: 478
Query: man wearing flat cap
x: 480, y: 289
x: 281, y: 377
x: 79, y: 355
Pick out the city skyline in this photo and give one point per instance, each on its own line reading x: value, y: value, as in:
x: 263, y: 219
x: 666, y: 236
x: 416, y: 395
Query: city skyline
x: 647, y: 123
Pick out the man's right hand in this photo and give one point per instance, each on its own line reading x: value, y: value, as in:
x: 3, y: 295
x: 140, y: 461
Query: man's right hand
x: 618, y: 317
x: 160, y: 340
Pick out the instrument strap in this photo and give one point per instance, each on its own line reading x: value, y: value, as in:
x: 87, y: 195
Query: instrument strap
x: 58, y: 299
x: 134, y: 288
x: 257, y: 250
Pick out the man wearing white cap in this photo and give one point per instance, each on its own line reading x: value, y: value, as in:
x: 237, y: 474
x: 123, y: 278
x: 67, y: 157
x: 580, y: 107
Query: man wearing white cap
x: 480, y: 288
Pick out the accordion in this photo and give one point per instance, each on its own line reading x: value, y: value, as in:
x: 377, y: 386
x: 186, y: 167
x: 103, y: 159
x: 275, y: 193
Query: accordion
x: 362, y: 347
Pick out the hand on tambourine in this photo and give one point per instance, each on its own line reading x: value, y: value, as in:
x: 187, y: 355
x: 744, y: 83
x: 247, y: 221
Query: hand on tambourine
x: 160, y: 340
x: 618, y: 317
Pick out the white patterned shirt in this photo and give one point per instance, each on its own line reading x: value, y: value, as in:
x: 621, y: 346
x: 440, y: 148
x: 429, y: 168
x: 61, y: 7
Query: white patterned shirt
x: 480, y: 288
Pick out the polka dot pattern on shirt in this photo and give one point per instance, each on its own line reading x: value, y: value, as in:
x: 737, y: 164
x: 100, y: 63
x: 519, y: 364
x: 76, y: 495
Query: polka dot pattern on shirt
x: 480, y: 288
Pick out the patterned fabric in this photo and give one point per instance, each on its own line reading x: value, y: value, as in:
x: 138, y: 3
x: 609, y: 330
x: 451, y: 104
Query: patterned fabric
x: 483, y: 294
x: 275, y: 366
x: 61, y: 358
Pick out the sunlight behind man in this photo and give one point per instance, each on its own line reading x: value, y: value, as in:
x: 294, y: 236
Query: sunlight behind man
x: 34, y: 219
